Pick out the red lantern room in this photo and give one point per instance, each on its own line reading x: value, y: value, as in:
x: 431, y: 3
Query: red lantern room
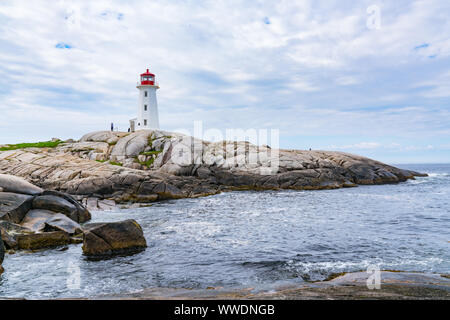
x: 148, y: 78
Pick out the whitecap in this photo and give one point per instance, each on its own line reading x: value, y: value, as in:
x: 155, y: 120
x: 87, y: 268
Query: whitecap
x: 437, y: 175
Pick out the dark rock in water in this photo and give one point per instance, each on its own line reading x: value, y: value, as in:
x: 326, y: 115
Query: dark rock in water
x: 43, y: 240
x: 2, y: 253
x: 12, y: 227
x: 15, y: 184
x: 103, y: 239
x: 35, y: 220
x: 31, y: 218
x: 61, y: 223
x: 9, y: 240
x: 82, y: 214
x: 45, y: 220
x: 9, y: 232
x: 13, y: 206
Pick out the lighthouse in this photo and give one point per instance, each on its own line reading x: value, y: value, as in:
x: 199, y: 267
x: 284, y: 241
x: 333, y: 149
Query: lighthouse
x: 147, y: 117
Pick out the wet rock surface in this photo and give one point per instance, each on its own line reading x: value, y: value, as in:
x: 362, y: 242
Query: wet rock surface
x: 51, y: 219
x: 13, y: 207
x: 2, y: 254
x: 58, y: 204
x: 39, y: 220
x: 43, y: 240
x: 151, y: 165
x: 351, y: 286
x: 45, y: 219
x: 9, y: 232
x: 105, y: 239
x: 81, y: 214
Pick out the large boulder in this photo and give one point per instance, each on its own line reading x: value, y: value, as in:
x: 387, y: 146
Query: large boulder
x: 43, y: 240
x: 31, y: 218
x: 13, y: 206
x: 57, y: 204
x: 131, y: 145
x: 100, y: 136
x: 9, y: 232
x: 80, y: 215
x: 102, y: 239
x: 45, y: 220
x: 15, y: 184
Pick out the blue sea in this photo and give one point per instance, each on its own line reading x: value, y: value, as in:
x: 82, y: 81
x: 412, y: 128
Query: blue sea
x: 256, y: 239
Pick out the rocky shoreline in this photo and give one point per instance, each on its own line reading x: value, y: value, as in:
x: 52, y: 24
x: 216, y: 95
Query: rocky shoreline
x: 46, y: 193
x: 395, y: 285
x: 105, y: 168
x: 32, y: 218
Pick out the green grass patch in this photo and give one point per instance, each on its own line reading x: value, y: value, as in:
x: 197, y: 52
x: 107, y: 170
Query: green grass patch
x: 43, y: 144
x: 147, y: 163
x: 101, y: 161
x: 115, y: 163
x: 150, y: 153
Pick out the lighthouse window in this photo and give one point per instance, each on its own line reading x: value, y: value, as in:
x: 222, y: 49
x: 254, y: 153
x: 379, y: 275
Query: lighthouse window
x: 145, y: 107
x: 145, y: 122
x: 145, y: 93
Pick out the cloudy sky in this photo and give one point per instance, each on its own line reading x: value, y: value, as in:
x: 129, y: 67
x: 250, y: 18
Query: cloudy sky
x: 368, y: 77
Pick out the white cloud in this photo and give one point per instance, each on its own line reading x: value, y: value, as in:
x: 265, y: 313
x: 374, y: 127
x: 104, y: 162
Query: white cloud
x: 392, y: 146
x: 221, y: 62
x: 439, y: 87
x: 347, y: 80
x: 363, y: 145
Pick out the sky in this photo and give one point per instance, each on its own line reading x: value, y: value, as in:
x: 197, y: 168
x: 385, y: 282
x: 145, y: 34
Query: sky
x: 366, y: 77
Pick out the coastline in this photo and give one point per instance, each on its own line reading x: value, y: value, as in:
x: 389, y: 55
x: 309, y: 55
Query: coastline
x: 108, y: 168
x: 102, y: 185
x: 395, y: 285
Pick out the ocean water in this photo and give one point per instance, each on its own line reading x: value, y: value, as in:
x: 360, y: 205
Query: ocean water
x: 256, y: 239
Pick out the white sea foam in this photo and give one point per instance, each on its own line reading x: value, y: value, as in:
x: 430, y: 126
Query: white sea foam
x: 437, y: 175
x: 332, y: 265
x: 378, y: 196
x: 335, y: 266
x: 417, y: 181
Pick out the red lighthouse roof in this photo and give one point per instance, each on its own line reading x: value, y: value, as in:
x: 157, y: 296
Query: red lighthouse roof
x: 147, y: 78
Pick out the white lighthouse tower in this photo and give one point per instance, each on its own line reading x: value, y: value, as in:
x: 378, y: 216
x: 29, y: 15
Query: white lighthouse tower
x: 148, y: 106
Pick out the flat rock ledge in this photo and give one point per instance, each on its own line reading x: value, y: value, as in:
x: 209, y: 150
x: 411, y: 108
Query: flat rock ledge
x: 108, y: 168
x: 395, y: 285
